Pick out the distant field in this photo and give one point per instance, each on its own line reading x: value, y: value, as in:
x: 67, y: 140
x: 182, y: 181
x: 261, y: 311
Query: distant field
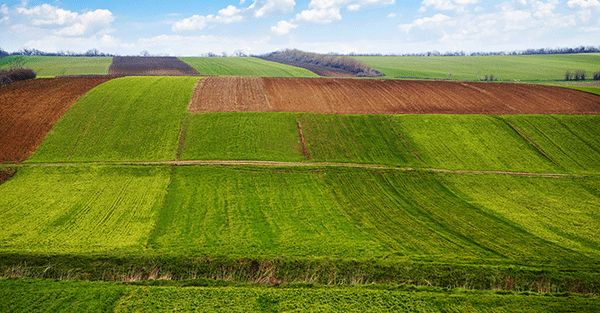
x: 506, y: 68
x: 58, y: 66
x: 27, y: 296
x: 133, y: 118
x: 245, y: 67
x: 150, y: 66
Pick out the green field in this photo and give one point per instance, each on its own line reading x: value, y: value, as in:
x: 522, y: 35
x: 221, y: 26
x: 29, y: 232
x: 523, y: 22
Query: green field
x: 591, y: 89
x: 528, y: 143
x: 506, y: 68
x: 28, y: 296
x: 237, y: 66
x: 58, y: 66
x: 131, y: 118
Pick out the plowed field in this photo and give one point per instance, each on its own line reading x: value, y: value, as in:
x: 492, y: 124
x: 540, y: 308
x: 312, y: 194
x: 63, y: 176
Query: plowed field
x: 29, y: 109
x: 167, y: 66
x: 353, y: 96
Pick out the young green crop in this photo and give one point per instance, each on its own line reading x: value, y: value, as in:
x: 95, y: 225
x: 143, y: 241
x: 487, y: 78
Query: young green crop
x: 248, y: 136
x: 235, y: 66
x: 131, y: 118
x: 80, y: 210
x: 507, y: 68
x: 57, y: 66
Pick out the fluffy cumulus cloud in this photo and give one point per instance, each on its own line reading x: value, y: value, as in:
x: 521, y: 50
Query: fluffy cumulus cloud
x: 67, y: 23
x: 447, y: 5
x: 427, y: 22
x: 583, y: 4
x: 234, y: 14
x: 327, y: 11
x: 227, y: 15
x: 4, y: 17
x: 283, y: 27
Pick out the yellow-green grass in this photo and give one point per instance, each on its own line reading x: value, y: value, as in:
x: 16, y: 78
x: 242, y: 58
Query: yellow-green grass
x: 247, y: 66
x: 591, y: 89
x: 570, y: 142
x: 131, y: 118
x: 80, y: 210
x: 58, y: 66
x: 507, y: 68
x: 248, y: 136
x: 39, y: 295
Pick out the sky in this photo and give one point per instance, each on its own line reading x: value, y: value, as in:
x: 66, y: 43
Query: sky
x: 196, y: 27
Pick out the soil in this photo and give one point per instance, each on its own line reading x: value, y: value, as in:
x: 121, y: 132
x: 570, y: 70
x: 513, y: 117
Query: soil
x: 29, y: 109
x: 150, y: 66
x: 370, y: 96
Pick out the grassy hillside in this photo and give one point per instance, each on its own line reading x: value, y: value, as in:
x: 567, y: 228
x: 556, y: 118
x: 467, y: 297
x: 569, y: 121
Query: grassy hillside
x: 75, y: 210
x: 57, y: 66
x: 234, y: 136
x: 245, y: 67
x: 528, y: 143
x: 132, y: 118
x: 297, y: 213
x: 525, y: 67
x: 101, y: 297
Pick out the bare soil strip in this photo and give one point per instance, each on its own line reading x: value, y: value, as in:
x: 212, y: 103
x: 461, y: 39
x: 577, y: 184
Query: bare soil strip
x: 29, y: 109
x: 305, y: 151
x: 6, y: 174
x: 149, y: 66
x: 290, y: 165
x: 367, y: 96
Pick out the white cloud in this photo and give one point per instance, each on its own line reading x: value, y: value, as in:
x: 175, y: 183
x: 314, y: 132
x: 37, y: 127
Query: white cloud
x: 391, y: 15
x: 583, y: 4
x: 68, y: 23
x: 327, y: 11
x: 263, y: 8
x: 283, y: 28
x: 227, y: 15
x: 4, y: 14
x: 426, y: 22
x: 447, y: 5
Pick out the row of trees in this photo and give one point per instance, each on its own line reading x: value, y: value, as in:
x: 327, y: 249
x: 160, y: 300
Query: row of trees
x: 579, y: 75
x: 36, y: 52
x: 488, y: 78
x: 343, y: 63
x: 581, y: 49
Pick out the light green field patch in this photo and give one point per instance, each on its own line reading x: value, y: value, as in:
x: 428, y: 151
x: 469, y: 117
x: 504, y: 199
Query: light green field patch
x: 356, y: 138
x: 131, y: 118
x: 58, y: 66
x: 84, y: 210
x: 557, y: 210
x: 474, y: 142
x: 522, y: 67
x: 247, y: 136
x: 572, y: 142
x: 247, y: 66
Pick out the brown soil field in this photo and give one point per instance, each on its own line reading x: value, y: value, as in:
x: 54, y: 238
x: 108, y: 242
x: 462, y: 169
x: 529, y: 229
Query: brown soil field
x: 150, y: 66
x: 29, y: 109
x: 367, y: 96
x: 6, y: 174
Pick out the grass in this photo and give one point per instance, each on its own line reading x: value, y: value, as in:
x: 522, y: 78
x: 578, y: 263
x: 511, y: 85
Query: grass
x: 80, y: 210
x: 57, y: 66
x: 235, y: 66
x: 234, y: 136
x: 21, y: 296
x: 591, y: 89
x: 507, y: 68
x: 132, y: 118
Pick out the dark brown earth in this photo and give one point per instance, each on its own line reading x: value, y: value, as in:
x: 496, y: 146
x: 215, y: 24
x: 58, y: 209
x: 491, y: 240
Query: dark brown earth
x: 319, y: 70
x: 369, y: 96
x: 29, y: 109
x: 150, y: 66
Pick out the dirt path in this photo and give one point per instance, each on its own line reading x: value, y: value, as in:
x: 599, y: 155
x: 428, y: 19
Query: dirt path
x: 290, y: 164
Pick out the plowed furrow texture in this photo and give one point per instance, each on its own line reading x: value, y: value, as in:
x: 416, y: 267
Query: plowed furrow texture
x: 29, y: 109
x: 354, y: 96
x: 151, y: 66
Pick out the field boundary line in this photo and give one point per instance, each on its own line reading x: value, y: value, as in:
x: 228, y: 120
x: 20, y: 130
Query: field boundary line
x: 302, y: 140
x: 294, y: 164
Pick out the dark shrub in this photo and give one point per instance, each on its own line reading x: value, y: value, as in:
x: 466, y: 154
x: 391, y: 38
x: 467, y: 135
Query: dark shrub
x: 597, y: 76
x: 13, y: 75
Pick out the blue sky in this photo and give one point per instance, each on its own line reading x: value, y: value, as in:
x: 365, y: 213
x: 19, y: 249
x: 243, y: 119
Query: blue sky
x: 188, y: 27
